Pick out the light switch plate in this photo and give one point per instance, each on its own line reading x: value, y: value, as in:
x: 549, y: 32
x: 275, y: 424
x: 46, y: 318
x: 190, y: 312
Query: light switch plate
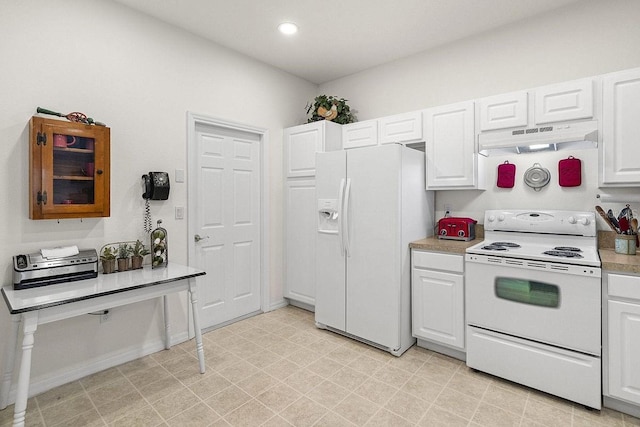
x: 179, y: 175
x: 179, y: 212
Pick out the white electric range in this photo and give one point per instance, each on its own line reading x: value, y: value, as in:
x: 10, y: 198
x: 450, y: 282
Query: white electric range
x: 533, y: 302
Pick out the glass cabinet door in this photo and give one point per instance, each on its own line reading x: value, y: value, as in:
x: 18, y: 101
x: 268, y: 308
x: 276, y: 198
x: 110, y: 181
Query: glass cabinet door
x: 73, y: 170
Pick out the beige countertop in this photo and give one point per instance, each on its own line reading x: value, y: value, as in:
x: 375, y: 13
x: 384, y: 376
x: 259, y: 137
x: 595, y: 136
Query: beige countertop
x: 448, y: 246
x: 443, y: 245
x: 611, y: 261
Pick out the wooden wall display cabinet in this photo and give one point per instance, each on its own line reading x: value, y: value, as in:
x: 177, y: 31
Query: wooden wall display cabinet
x: 69, y: 166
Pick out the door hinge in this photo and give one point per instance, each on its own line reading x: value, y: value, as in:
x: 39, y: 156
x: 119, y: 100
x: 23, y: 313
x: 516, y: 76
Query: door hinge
x: 42, y: 198
x: 41, y: 138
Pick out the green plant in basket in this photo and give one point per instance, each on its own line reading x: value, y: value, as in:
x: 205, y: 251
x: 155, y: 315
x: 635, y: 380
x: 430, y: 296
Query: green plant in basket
x: 330, y: 108
x: 107, y: 254
x: 108, y: 258
x: 124, y: 250
x: 139, y: 249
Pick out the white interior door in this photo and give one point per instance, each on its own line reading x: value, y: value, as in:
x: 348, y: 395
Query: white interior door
x: 225, y: 201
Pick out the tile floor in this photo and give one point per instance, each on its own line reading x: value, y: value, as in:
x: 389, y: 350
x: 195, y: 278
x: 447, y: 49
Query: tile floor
x: 277, y: 369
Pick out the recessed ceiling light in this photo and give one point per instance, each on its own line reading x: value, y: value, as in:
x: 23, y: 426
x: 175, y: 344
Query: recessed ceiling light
x: 288, y: 28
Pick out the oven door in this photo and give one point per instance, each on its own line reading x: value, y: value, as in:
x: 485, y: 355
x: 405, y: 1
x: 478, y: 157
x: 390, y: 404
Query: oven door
x: 556, y: 304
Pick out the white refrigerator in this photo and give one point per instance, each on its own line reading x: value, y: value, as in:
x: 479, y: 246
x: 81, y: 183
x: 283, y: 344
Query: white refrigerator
x: 372, y: 203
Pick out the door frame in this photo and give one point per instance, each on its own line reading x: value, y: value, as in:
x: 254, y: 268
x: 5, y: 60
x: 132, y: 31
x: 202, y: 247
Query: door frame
x: 193, y: 119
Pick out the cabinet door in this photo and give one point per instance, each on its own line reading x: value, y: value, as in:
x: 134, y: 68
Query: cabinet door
x: 300, y: 237
x: 620, y: 129
x: 624, y: 350
x: 300, y: 146
x: 565, y: 101
x: 438, y: 307
x: 503, y: 111
x: 449, y: 147
x: 400, y: 128
x: 70, y: 176
x: 360, y: 134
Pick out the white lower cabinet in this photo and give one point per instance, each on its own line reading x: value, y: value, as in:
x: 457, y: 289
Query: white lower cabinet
x: 437, y: 290
x: 622, y: 367
x: 300, y: 241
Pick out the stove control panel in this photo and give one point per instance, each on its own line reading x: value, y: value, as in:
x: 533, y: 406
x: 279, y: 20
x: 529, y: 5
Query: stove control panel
x: 544, y: 221
x: 583, y: 221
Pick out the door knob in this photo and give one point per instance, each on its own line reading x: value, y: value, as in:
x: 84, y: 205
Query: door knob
x: 197, y: 238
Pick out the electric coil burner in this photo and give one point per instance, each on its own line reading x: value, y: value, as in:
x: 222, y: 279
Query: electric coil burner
x: 533, y: 302
x: 561, y: 253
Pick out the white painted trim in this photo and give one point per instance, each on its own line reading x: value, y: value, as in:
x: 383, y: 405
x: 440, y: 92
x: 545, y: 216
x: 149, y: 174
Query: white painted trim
x: 192, y: 120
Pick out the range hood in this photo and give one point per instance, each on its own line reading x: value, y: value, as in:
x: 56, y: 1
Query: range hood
x: 554, y: 137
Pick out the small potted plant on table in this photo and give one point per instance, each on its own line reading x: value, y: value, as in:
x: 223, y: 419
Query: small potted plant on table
x: 137, y: 255
x: 108, y: 259
x: 124, y: 250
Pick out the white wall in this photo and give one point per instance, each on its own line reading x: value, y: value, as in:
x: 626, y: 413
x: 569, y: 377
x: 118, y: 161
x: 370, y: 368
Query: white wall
x: 584, y: 39
x: 140, y: 77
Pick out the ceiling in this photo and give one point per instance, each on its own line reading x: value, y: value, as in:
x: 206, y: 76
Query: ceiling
x: 339, y: 38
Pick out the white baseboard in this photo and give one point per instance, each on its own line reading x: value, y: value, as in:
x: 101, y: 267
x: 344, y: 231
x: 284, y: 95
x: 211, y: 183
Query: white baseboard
x: 71, y: 373
x: 621, y: 406
x: 278, y: 304
x: 303, y: 305
x: 458, y: 354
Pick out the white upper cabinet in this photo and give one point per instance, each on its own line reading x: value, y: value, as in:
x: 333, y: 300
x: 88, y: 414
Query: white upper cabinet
x: 620, y: 149
x: 547, y: 104
x: 562, y: 102
x: 360, y: 134
x: 302, y: 142
x: 400, y: 128
x: 450, y: 147
x: 503, y: 111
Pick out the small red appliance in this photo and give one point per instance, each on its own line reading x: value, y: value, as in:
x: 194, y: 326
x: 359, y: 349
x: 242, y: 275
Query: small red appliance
x: 457, y: 228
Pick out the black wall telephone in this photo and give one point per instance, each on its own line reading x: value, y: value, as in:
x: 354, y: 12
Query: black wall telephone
x: 156, y: 186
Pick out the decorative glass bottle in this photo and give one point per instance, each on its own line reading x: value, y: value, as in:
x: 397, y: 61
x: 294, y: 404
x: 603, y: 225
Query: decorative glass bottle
x: 159, y: 247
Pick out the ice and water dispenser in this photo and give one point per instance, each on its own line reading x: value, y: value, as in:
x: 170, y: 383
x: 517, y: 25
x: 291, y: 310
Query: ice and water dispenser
x: 328, y: 216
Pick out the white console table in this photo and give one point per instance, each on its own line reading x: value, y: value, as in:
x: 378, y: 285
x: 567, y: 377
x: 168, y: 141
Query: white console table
x: 46, y: 304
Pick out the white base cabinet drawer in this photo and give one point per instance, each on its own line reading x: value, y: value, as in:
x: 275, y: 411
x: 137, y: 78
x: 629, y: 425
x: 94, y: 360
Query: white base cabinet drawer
x: 536, y: 365
x: 437, y: 261
x: 624, y: 286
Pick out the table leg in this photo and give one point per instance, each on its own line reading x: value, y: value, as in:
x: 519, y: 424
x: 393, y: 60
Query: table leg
x: 196, y: 323
x: 30, y: 324
x: 9, y: 361
x: 167, y: 323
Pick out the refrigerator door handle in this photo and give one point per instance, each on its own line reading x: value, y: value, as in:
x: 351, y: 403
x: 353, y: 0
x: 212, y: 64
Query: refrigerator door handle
x: 345, y: 216
x: 341, y: 217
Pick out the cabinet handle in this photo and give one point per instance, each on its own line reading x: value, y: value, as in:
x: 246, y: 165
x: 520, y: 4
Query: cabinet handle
x: 99, y: 171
